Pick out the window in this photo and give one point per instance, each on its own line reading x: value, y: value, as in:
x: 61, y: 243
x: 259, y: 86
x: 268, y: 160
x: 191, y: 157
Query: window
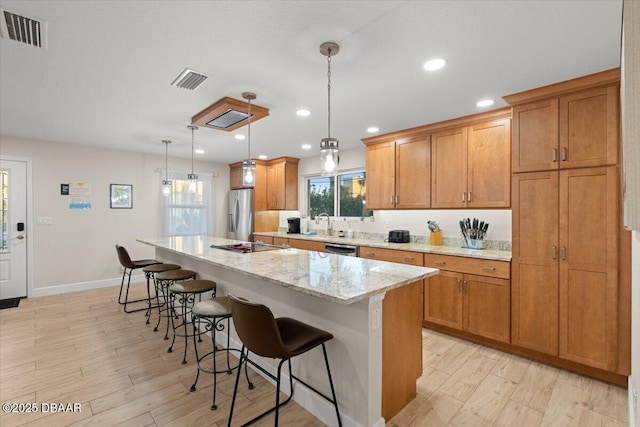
x: 187, y: 214
x: 350, y: 195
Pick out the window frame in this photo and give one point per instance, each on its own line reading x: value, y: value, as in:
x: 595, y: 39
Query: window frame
x: 336, y: 192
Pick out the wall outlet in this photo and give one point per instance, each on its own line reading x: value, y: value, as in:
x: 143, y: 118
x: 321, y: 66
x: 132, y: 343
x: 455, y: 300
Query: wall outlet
x: 44, y: 220
x: 376, y: 319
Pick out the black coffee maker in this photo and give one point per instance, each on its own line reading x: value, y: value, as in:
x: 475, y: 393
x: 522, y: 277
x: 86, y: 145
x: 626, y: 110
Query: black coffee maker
x: 294, y: 225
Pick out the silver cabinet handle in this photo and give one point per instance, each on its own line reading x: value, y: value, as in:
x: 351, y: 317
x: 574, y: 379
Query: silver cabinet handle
x: 392, y: 200
x: 564, y: 154
x: 464, y: 286
x: 488, y: 268
x: 396, y: 199
x: 469, y: 198
x: 463, y: 197
x: 459, y: 285
x: 563, y: 253
x: 554, y: 252
x: 440, y: 262
x: 408, y: 258
x: 554, y: 155
x: 369, y: 253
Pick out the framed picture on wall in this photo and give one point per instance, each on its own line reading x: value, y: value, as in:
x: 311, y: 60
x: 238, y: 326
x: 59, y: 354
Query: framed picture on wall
x: 121, y: 196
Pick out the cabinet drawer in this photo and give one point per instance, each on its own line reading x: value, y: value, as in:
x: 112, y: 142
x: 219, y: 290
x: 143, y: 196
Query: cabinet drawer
x: 391, y: 255
x: 264, y: 239
x: 481, y: 267
x: 309, y: 245
x: 280, y: 241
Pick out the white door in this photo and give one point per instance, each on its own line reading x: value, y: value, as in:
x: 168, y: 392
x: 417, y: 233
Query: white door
x: 13, y: 238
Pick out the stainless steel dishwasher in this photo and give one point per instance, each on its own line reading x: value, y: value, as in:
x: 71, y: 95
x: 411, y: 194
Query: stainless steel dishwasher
x: 340, y: 249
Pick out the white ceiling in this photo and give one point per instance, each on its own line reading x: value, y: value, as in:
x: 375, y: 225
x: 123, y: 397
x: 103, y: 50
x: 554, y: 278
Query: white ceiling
x: 105, y: 78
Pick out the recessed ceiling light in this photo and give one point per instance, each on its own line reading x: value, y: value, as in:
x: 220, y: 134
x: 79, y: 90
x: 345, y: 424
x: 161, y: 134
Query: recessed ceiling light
x: 199, y: 151
x: 262, y: 156
x: 239, y: 136
x: 306, y: 146
x: 372, y: 129
x: 484, y: 102
x: 303, y: 113
x: 435, y: 64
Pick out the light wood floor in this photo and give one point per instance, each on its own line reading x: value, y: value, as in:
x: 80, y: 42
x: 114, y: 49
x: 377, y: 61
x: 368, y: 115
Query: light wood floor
x: 81, y: 348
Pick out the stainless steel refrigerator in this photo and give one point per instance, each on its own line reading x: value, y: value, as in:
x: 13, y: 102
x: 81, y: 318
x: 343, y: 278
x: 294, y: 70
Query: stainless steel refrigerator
x: 240, y: 214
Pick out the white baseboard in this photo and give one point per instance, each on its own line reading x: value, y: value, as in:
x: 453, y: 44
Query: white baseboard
x: 81, y: 286
x: 632, y: 404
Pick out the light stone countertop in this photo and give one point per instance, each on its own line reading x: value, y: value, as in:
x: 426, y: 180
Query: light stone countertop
x: 491, y: 254
x: 338, y: 278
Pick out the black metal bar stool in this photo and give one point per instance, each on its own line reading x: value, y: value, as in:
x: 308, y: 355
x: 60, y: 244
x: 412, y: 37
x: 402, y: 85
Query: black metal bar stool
x: 150, y: 272
x: 163, y: 281
x: 213, y: 312
x: 185, y: 292
x: 129, y: 266
x: 281, y: 338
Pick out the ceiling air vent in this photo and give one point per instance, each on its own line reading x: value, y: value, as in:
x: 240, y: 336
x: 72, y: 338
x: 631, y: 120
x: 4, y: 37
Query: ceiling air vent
x: 23, y: 29
x: 189, y: 79
x: 228, y: 114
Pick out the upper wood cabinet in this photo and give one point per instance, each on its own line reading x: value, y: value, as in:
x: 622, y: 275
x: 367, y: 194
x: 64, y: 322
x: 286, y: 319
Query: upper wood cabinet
x: 567, y: 125
x: 471, y: 166
x: 282, y: 184
x: 398, y: 173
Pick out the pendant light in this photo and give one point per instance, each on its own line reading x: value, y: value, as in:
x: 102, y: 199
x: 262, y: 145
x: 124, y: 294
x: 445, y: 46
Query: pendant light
x: 192, y: 177
x: 166, y: 183
x: 248, y: 165
x: 329, y: 146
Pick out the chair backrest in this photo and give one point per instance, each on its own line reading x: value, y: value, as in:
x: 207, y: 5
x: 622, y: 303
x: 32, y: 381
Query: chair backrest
x: 123, y: 257
x: 257, y: 328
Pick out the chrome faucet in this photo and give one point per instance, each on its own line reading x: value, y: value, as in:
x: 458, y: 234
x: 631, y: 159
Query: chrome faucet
x: 329, y: 229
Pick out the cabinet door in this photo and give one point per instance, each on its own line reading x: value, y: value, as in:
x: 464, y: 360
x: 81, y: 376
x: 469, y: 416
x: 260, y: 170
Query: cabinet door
x: 268, y: 240
x: 589, y: 128
x: 413, y: 173
x: 534, y: 276
x: 443, y: 299
x: 381, y: 176
x: 449, y: 169
x: 275, y: 186
x: 281, y: 241
x: 486, y: 307
x: 535, y: 136
x: 489, y: 165
x: 235, y: 177
x: 588, y: 266
x: 309, y: 245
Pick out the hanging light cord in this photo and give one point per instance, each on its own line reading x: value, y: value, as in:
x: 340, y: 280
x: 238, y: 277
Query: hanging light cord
x: 249, y: 131
x: 166, y: 160
x: 329, y: 93
x: 192, y: 131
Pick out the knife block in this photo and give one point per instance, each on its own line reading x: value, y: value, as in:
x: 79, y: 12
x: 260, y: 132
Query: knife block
x: 435, y: 239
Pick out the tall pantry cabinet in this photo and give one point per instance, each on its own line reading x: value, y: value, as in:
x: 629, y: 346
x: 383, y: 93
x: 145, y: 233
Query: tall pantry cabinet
x: 566, y: 258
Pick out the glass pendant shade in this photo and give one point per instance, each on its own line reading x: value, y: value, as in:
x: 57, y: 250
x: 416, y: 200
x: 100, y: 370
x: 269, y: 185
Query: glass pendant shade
x: 166, y: 187
x: 248, y: 173
x: 329, y: 157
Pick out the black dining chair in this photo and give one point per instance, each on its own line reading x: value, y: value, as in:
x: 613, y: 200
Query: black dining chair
x: 129, y: 266
x: 282, y: 338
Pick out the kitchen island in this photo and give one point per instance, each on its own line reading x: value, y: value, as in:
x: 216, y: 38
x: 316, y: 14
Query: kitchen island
x: 373, y: 309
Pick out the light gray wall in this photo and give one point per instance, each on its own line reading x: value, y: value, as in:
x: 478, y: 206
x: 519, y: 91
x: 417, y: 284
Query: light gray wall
x: 77, y: 250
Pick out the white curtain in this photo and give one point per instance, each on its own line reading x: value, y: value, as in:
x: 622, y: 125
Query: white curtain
x: 183, y: 213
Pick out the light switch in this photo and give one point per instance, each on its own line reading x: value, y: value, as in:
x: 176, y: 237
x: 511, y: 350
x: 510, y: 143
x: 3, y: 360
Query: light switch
x: 44, y: 220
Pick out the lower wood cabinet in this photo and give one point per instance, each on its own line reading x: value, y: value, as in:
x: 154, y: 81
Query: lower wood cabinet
x: 473, y: 303
x: 309, y: 245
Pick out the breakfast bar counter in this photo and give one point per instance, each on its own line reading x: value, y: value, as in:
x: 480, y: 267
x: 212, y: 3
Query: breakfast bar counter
x: 373, y: 309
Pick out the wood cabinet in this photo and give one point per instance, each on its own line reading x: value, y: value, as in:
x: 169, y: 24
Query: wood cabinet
x: 282, y: 184
x: 565, y: 264
x: 471, y: 166
x: 268, y: 240
x: 576, y: 129
x: 398, y: 173
x: 473, y: 303
x: 280, y: 241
